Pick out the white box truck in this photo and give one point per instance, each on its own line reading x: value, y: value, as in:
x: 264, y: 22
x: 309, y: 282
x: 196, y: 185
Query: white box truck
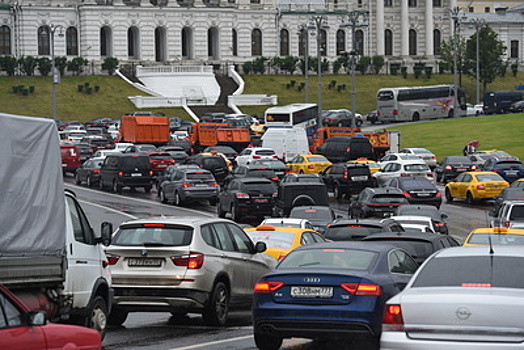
x: 287, y: 142
x: 50, y: 256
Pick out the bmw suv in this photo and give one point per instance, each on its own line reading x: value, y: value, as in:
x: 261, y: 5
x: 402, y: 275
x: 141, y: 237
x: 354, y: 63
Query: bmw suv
x: 184, y: 183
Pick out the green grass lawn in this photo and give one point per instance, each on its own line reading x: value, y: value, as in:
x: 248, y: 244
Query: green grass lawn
x: 444, y: 137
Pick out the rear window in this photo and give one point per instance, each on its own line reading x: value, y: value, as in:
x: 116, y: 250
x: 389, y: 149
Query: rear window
x: 416, y: 184
x: 389, y: 198
x: 273, y: 239
x: 355, y: 171
x: 310, y: 214
x: 214, y: 162
x: 261, y: 173
x: 418, y: 249
x: 509, y: 165
x: 200, y: 176
x: 416, y: 167
x: 153, y: 236
x: 265, y: 152
x: 496, y: 239
x: 334, y: 258
x: 489, y: 177
x: 517, y: 213
x: 350, y: 232
x: 130, y: 163
x: 497, y: 271
x: 317, y: 159
x: 309, y: 179
x: 160, y: 157
x: 261, y: 186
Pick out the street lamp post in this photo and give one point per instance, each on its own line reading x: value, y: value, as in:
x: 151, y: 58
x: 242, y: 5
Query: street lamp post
x: 54, y: 72
x: 303, y: 32
x: 355, y: 19
x: 477, y: 23
x: 455, y: 13
x: 320, y: 23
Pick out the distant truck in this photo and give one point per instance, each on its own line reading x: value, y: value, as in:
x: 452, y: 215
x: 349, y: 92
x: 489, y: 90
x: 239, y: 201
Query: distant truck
x: 286, y: 142
x: 203, y: 135
x: 50, y: 257
x: 499, y: 102
x: 144, y: 129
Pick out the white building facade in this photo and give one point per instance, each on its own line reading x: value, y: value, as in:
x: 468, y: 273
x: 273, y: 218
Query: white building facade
x: 159, y: 32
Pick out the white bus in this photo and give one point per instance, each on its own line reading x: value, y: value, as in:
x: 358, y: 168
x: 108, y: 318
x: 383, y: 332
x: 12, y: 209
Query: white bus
x: 417, y: 103
x: 302, y: 115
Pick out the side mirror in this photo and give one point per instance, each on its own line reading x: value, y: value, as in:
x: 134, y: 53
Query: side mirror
x: 36, y: 318
x: 444, y: 216
x: 492, y: 213
x: 260, y: 247
x: 106, y: 231
x: 340, y: 216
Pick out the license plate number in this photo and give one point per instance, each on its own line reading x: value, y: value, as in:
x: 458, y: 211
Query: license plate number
x: 424, y: 194
x: 135, y: 174
x: 311, y: 292
x: 461, y: 169
x: 144, y: 262
x: 260, y: 200
x: 200, y: 185
x: 359, y: 178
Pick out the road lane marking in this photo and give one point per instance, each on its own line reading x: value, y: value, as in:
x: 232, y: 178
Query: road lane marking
x: 109, y: 209
x: 217, y: 342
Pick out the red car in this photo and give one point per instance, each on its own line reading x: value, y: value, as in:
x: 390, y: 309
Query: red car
x: 70, y: 158
x: 160, y: 161
x: 24, y: 329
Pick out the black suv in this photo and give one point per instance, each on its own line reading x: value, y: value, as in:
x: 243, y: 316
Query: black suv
x: 213, y: 162
x: 417, y: 189
x: 126, y: 170
x: 378, y: 202
x: 344, y: 148
x: 347, y: 178
x: 184, y: 183
x: 356, y: 229
x: 252, y: 171
x: 248, y: 196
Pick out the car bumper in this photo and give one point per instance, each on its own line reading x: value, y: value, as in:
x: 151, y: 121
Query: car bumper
x: 437, y: 201
x: 255, y: 209
x: 159, y: 299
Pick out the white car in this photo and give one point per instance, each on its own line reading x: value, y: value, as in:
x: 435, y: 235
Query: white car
x: 403, y: 168
x: 288, y: 222
x: 415, y: 222
x: 121, y: 146
x: 392, y: 157
x: 428, y: 157
x: 474, y: 110
x: 103, y: 153
x: 251, y: 153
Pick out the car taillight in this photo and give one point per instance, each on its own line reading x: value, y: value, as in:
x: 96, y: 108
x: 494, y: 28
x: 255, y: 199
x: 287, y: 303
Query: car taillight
x: 214, y: 184
x: 362, y: 288
x: 150, y: 172
x: 378, y: 113
x: 496, y: 171
x: 507, y: 223
x: 311, y: 166
x: 430, y: 175
x: 348, y: 150
x: 192, y: 261
x: 393, y: 321
x: 481, y: 187
x: 242, y: 195
x: 267, y: 287
x: 256, y: 157
x: 186, y: 185
x: 275, y: 195
x: 433, y: 157
x: 112, y: 259
x: 274, y: 178
x: 439, y: 194
x: 440, y: 225
x: 345, y: 176
x: 395, y: 112
x: 96, y: 171
x: 288, y: 172
x: 120, y: 173
x: 448, y: 167
x: 406, y: 193
x: 404, y: 175
x: 275, y: 156
x: 473, y: 167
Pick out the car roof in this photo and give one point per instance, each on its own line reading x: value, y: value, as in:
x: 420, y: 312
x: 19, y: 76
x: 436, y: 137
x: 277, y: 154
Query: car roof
x: 481, y: 250
x: 407, y: 235
x: 271, y: 228
x: 345, y: 222
x: 175, y: 220
x: 375, y: 246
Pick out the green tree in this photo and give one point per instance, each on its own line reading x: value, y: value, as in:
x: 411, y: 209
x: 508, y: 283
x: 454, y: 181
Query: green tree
x: 377, y: 62
x: 76, y: 65
x: 259, y: 65
x: 61, y: 64
x: 44, y: 66
x: 363, y: 64
x: 8, y: 64
x: 110, y: 64
x: 491, y: 61
x: 302, y: 64
x: 28, y: 65
x: 446, y: 55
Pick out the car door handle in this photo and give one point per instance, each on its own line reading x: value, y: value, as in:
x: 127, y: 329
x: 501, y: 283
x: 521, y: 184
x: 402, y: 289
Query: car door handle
x: 81, y: 262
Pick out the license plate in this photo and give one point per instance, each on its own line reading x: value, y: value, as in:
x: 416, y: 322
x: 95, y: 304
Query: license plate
x: 512, y: 173
x: 359, y: 178
x: 260, y: 200
x: 424, y: 194
x: 135, y: 174
x: 312, y: 292
x: 146, y: 262
x: 200, y: 185
x: 162, y: 165
x: 461, y: 169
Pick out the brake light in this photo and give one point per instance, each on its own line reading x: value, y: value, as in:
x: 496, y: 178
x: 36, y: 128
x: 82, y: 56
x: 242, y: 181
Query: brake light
x: 348, y: 150
x: 395, y: 112
x: 192, y: 261
x: 96, y: 171
x: 120, y: 173
x: 473, y: 167
x: 214, y: 184
x: 345, y: 175
x: 378, y: 113
x: 267, y: 287
x: 448, y: 167
x: 433, y: 157
x: 406, y: 193
x: 496, y: 170
x: 311, y: 166
x: 507, y: 223
x: 287, y: 172
x: 150, y: 172
x: 439, y: 194
x: 275, y: 156
x: 186, y: 185
x: 242, y: 195
x: 430, y: 175
x: 362, y: 288
x: 275, y: 195
x: 112, y: 259
x: 153, y: 225
x: 393, y: 320
x: 481, y: 187
x: 404, y: 175
x: 256, y: 157
x: 440, y: 225
x: 274, y: 178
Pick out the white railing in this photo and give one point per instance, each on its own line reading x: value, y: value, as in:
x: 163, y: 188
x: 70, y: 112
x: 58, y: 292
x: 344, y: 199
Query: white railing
x: 150, y: 102
x: 252, y: 100
x: 163, y: 70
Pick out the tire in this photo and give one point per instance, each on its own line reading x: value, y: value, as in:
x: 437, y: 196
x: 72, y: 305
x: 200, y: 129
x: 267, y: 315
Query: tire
x: 373, y: 122
x: 148, y: 188
x: 220, y: 212
x: 117, y: 317
x: 301, y: 172
x: 450, y: 113
x: 89, y: 183
x: 77, y: 179
x: 97, y: 317
x: 267, y: 341
x: 177, y: 199
x: 213, y: 201
x: 416, y: 117
x: 449, y: 198
x: 116, y: 187
x: 340, y: 124
x: 100, y: 185
x: 217, y: 307
x: 336, y: 192
x: 469, y: 198
x: 358, y: 123
x: 163, y: 198
x: 235, y: 213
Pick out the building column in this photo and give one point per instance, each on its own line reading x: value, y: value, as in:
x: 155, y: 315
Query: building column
x: 404, y: 28
x: 380, y: 28
x: 429, y: 28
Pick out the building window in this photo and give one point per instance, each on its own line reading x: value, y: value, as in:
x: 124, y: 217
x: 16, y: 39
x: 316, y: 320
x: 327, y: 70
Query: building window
x: 71, y: 41
x: 388, y: 3
x: 471, y: 9
x: 105, y: 41
x: 132, y: 43
x: 323, y: 43
x: 514, y: 49
x: 5, y: 40
x: 234, y: 47
x: 359, y: 42
x: 213, y: 43
x: 437, y: 3
x: 437, y: 38
x: 256, y: 42
x: 254, y: 1
x: 359, y: 3
x: 487, y: 9
x: 160, y: 44
x: 388, y: 42
x: 341, y: 42
x: 44, y: 38
x: 284, y: 42
x: 187, y: 43
x: 302, y: 42
x: 412, y: 3
x: 412, y: 42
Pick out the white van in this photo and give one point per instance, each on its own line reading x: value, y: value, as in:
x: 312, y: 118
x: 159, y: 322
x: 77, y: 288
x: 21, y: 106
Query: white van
x: 287, y: 142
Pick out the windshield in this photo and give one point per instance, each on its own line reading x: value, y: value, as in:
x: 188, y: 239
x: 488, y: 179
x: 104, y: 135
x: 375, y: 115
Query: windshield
x: 200, y: 176
x: 329, y: 259
x: 350, y: 232
x: 311, y: 214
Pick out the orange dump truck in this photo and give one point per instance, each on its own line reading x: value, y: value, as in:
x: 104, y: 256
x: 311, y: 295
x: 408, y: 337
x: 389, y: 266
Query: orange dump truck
x: 204, y: 135
x: 144, y: 129
x: 378, y: 139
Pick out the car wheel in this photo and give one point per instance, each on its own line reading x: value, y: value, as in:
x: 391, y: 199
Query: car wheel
x: 148, y: 188
x: 221, y: 213
x: 373, y: 121
x: 77, y: 179
x: 178, y: 199
x: 97, y: 316
x: 235, y: 213
x: 336, y: 192
x: 416, y: 117
x: 469, y: 198
x: 217, y: 307
x: 340, y: 124
x: 449, y: 198
x: 213, y: 201
x: 301, y: 172
x: 163, y: 198
x: 117, y: 317
x: 88, y: 182
x: 100, y: 185
x: 267, y: 341
x: 358, y: 123
x: 116, y: 187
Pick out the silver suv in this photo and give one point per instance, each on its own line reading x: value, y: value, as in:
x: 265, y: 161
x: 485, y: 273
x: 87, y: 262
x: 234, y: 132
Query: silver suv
x: 181, y: 265
x: 184, y: 183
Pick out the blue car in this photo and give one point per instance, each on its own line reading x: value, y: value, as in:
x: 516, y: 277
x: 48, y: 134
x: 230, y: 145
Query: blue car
x: 329, y: 290
x: 511, y: 169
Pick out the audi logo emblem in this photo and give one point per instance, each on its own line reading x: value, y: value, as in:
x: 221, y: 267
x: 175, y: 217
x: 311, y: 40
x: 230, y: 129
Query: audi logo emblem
x: 312, y: 280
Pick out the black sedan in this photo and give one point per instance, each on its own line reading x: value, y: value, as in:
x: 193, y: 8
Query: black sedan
x: 89, y: 172
x: 279, y: 167
x: 418, y: 190
x: 452, y: 166
x: 243, y: 197
x: 340, y: 117
x: 516, y: 107
x: 378, y: 202
x: 357, y: 229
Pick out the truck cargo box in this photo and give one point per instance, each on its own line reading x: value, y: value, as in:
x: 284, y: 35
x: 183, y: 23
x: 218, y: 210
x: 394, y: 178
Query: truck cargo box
x: 144, y: 129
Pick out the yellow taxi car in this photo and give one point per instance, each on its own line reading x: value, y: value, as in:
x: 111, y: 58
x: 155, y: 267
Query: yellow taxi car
x: 495, y: 236
x: 308, y: 163
x: 475, y: 185
x: 373, y: 166
x: 281, y: 240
